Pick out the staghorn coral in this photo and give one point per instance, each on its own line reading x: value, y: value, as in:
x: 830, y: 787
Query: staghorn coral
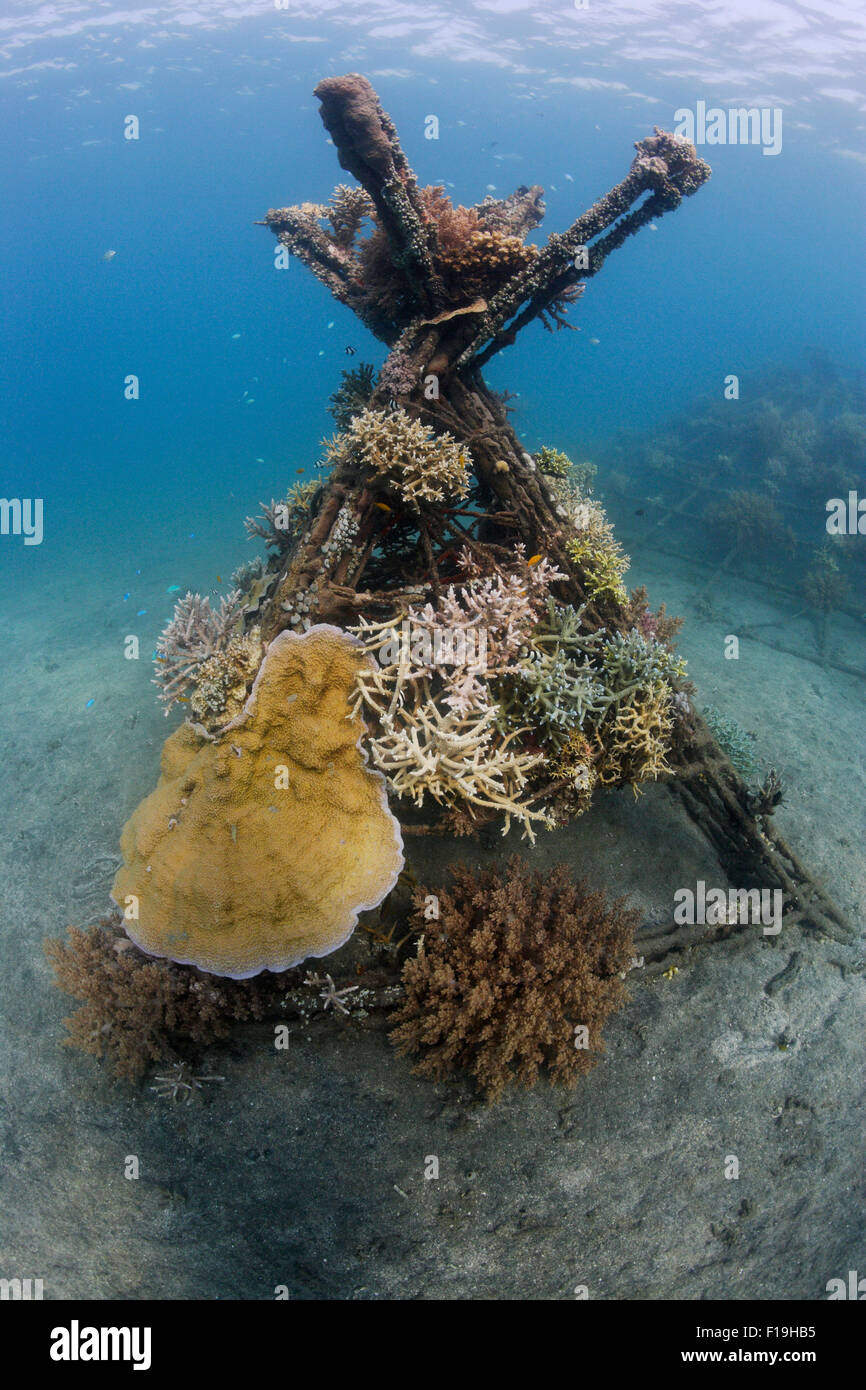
x: 280, y: 523
x: 420, y: 465
x: 196, y: 633
x: 346, y: 210
x: 601, y: 561
x: 734, y: 741
x: 569, y: 482
x: 259, y: 849
x: 637, y: 738
x: 223, y: 681
x: 550, y: 693
x: 458, y: 760
x: 516, y: 963
x: 631, y: 662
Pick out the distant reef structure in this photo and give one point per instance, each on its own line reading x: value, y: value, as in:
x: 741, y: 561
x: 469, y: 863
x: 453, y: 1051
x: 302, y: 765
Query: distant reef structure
x: 439, y: 640
x: 776, y: 479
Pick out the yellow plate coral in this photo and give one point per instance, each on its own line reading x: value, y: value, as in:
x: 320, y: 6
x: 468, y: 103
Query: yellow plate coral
x: 260, y: 848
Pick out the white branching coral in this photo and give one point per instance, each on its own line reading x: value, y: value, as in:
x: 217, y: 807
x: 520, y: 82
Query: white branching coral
x: 421, y: 466
x: 435, y: 724
x: 475, y: 635
x: 455, y: 759
x: 196, y: 633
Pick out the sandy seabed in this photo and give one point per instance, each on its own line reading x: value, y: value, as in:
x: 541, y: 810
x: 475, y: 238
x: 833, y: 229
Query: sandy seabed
x: 305, y: 1168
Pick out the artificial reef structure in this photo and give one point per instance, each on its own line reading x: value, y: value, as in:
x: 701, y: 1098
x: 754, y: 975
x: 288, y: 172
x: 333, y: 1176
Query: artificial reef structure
x: 440, y: 640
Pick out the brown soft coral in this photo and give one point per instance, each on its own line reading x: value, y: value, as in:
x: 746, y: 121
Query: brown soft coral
x: 473, y: 258
x: 137, y: 1011
x: 513, y: 966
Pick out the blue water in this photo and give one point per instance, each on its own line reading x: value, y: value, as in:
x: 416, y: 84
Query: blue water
x: 765, y: 259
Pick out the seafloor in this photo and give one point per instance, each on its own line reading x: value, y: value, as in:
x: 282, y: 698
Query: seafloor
x: 305, y: 1168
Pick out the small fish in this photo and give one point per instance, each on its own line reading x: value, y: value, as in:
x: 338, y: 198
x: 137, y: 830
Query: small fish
x: 182, y: 700
x: 141, y: 612
x: 89, y: 703
x: 173, y: 589
x: 653, y: 227
x: 235, y: 335
x: 534, y: 561
x: 639, y: 512
x: 595, y: 341
x: 491, y: 187
x: 331, y: 324
x: 109, y: 255
x: 300, y: 470
x: 251, y: 400
x: 259, y: 460
x: 219, y: 579
x: 350, y: 352
x: 125, y: 597
x: 570, y: 177
x: 383, y: 506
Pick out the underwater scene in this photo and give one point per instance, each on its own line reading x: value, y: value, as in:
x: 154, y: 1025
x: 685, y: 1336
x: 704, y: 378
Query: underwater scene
x: 433, y: 543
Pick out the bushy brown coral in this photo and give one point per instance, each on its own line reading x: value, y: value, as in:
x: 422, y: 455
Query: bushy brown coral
x: 512, y: 970
x: 136, y: 1011
x: 473, y: 258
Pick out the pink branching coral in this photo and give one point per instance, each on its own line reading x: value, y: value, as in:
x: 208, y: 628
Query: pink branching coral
x: 195, y: 633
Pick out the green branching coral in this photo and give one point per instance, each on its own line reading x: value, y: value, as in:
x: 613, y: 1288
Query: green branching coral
x: 550, y: 694
x: 553, y: 462
x: 733, y: 739
x: 420, y: 465
x: 578, y: 478
x: 353, y: 393
x: 632, y: 662
x: 603, y: 565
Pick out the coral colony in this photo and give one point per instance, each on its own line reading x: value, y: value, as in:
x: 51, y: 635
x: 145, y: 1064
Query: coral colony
x: 439, y: 630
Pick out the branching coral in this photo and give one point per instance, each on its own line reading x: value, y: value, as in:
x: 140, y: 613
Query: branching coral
x: 516, y: 976
x: 437, y: 730
x: 602, y: 563
x: 735, y: 741
x: 656, y: 625
x: 223, y: 681
x: 456, y: 759
x: 552, y: 694
x: 353, y: 394
x: 633, y: 662
x: 573, y: 478
x: 196, y: 633
x: 420, y: 465
x: 637, y: 737
x: 279, y: 523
